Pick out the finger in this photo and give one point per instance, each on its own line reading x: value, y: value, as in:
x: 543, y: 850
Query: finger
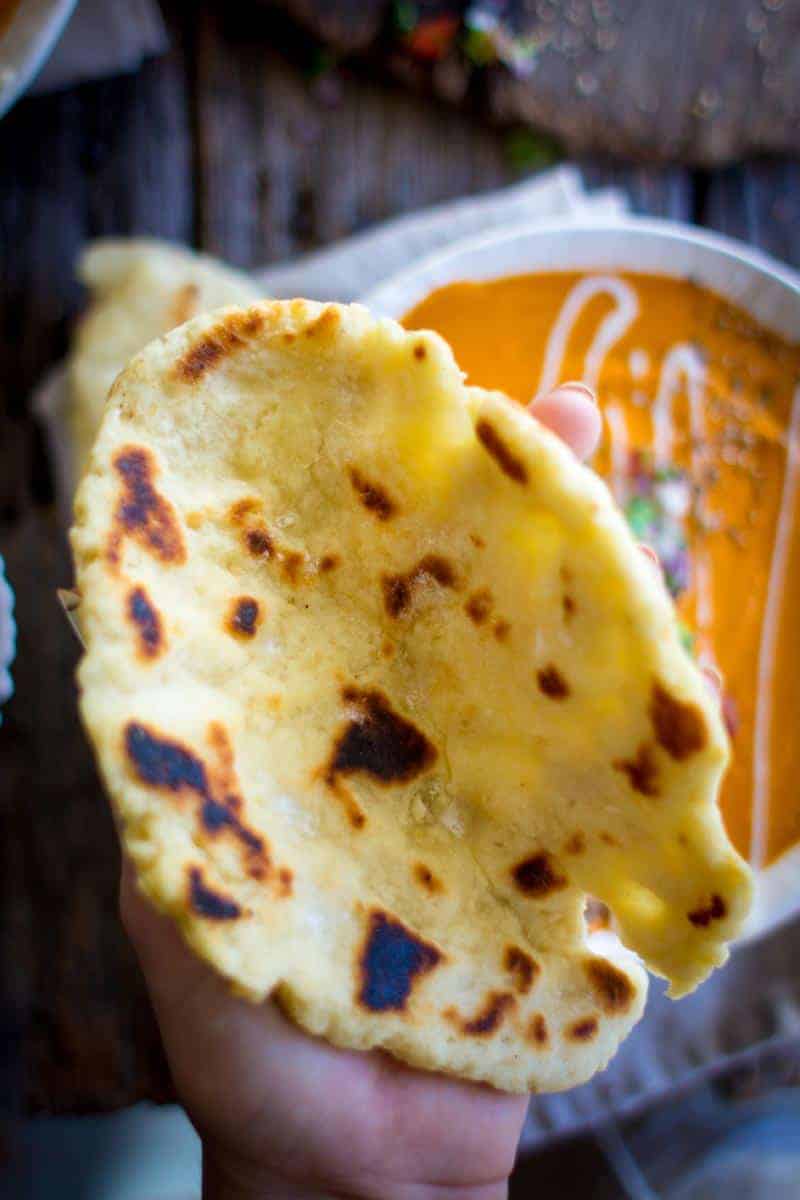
x: 169, y: 966
x: 191, y: 1000
x: 218, y: 1044
x: 187, y: 993
x: 571, y: 412
x: 651, y: 555
x: 713, y: 678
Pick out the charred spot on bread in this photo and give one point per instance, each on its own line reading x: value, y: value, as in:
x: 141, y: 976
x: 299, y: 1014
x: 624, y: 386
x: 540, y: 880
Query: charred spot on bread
x: 679, y: 727
x: 373, y: 496
x: 325, y: 325
x: 642, y: 771
x: 166, y: 764
x: 537, y: 1032
x: 398, y: 590
x: 612, y: 988
x: 576, y: 843
x: 208, y: 902
x: 425, y: 876
x: 702, y: 916
x: 141, y: 512
x: 378, y: 741
x: 521, y: 967
x: 391, y: 961
x: 537, y: 876
x: 227, y: 337
x: 585, y: 1029
x: 489, y: 1017
x: 508, y: 462
x: 146, y: 620
x: 552, y: 683
x: 244, y: 617
x: 479, y: 606
x: 293, y: 564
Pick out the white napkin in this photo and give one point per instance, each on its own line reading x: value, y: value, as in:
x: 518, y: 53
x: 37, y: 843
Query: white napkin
x: 104, y: 37
x: 355, y: 266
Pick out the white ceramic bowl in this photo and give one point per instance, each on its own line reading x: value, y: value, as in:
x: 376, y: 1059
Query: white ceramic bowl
x: 760, y: 285
x: 27, y: 44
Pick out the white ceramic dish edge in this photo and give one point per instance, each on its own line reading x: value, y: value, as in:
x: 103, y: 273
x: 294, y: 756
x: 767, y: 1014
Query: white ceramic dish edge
x: 767, y: 289
x: 27, y: 44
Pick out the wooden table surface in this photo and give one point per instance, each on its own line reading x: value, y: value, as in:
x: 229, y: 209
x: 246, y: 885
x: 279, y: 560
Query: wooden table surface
x: 224, y: 143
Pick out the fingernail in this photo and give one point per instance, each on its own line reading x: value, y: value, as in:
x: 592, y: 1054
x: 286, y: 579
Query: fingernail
x: 576, y: 386
x: 649, y: 552
x: 714, y: 677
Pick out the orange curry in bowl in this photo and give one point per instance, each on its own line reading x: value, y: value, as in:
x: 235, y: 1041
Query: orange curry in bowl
x: 702, y: 427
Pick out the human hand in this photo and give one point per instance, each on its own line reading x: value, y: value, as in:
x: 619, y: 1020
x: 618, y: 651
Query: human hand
x: 284, y: 1115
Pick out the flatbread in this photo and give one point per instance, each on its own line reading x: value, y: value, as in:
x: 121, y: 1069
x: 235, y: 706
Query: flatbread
x: 139, y: 288
x: 382, y: 688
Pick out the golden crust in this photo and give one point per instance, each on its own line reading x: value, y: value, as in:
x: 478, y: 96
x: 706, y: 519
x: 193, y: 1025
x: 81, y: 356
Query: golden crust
x: 398, y: 670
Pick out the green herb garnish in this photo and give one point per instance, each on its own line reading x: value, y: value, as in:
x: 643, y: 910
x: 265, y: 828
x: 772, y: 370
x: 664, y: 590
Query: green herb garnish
x: 526, y: 150
x: 405, y: 16
x: 479, y: 46
x: 642, y: 515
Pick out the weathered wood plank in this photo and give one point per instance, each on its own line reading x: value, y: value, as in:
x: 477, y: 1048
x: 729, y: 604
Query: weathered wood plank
x: 289, y: 162
x: 760, y: 203
x: 231, y: 183
x: 694, y: 80
x: 651, y: 191
x: 349, y: 24
x: 109, y: 157
x: 137, y: 156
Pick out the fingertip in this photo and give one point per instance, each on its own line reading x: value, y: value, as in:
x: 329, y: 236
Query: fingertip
x: 577, y: 385
x: 144, y: 925
x: 713, y: 678
x: 571, y: 412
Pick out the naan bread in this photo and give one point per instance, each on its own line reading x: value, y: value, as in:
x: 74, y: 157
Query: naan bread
x: 139, y: 288
x: 382, y: 687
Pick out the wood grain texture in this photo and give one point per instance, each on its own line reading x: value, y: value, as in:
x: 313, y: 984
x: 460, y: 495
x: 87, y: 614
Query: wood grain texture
x: 324, y: 157
x: 651, y: 191
x: 347, y: 24
x: 758, y: 202
x: 107, y: 157
x: 227, y: 142
x: 692, y: 80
